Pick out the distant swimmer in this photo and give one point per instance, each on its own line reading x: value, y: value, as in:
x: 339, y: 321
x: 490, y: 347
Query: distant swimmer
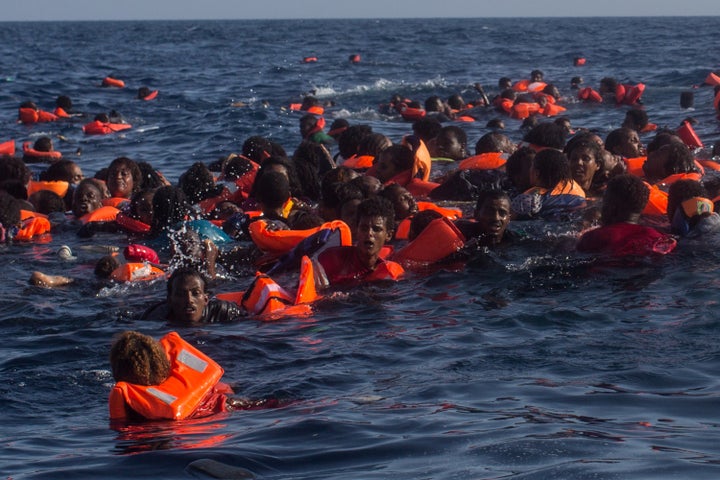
x: 144, y: 93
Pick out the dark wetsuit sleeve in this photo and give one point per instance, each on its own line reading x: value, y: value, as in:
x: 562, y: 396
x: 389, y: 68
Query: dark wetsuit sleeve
x: 221, y: 311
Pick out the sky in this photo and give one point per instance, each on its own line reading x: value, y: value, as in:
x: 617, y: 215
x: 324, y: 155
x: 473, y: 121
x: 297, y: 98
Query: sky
x: 44, y: 10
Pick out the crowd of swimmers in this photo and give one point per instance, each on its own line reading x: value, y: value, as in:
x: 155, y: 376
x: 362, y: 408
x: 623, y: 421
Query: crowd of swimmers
x: 351, y: 206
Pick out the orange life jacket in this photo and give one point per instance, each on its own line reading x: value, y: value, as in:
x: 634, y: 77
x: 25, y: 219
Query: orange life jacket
x: 61, y: 113
x: 192, y: 375
x: 136, y: 272
x: 58, y: 186
x: 634, y: 166
x: 484, y: 161
x: 114, y: 201
x: 112, y: 82
x: 589, y: 95
x: 712, y: 79
x: 31, y: 152
x: 33, y: 224
x: 657, y: 203
x: 403, y: 228
x: 150, y: 96
x: 688, y: 136
x: 102, y: 214
x: 411, y: 114
x: 30, y: 115
x: 7, y: 148
x: 552, y: 109
x: 438, y: 240
x: 279, y: 242
x: 629, y: 94
x: 102, y: 128
x: 524, y: 110
x: 525, y: 86
x: 359, y: 162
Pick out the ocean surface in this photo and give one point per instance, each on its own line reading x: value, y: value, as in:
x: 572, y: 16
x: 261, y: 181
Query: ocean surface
x: 529, y: 363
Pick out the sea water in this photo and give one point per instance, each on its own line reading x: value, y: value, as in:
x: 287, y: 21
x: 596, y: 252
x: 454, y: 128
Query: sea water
x: 531, y: 362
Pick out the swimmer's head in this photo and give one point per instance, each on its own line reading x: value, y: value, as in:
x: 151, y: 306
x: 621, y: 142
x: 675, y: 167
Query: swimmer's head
x: 138, y: 359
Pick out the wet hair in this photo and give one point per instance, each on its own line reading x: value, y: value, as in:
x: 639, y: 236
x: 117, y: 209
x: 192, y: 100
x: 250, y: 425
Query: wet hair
x: 47, y: 202
x: 9, y: 210
x: 373, y: 144
x: 636, y: 119
x: 457, y: 132
x: 589, y: 144
x: 308, y: 123
x: 43, y: 144
x: 58, y: 171
x: 29, y: 104
x: 349, y: 140
x: 338, y: 126
x: 273, y: 190
x: 662, y: 138
x: 303, y: 220
x: 546, y: 134
x: 504, y: 82
x: 495, y: 123
x: 106, y: 265
x: 552, y: 167
x: 491, y: 142
x: 143, y: 92
x: 267, y: 165
x: 130, y: 165
x: 150, y: 177
x: 680, y: 191
x: 102, y: 117
x: 169, y: 208
x: 581, y: 137
x: 16, y: 188
x: 616, y: 138
x: 434, y: 104
x: 257, y: 148
x: 537, y: 73
x: 307, y: 159
x: 138, y: 359
x: 520, y: 160
x: 182, y: 273
x: 378, y: 207
x: 679, y: 159
x: 64, y: 102
x: 236, y: 166
x: 608, y: 84
x: 426, y: 128
x: 197, y: 183
x: 575, y: 82
x: 367, y: 184
x: 456, y: 101
x: 309, y: 101
x: 488, y: 196
x: 401, y: 156
x: 13, y: 168
x: 420, y: 221
x: 625, y: 196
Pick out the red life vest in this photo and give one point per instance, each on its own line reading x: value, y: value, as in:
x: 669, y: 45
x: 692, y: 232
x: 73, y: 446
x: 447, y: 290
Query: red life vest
x: 31, y: 152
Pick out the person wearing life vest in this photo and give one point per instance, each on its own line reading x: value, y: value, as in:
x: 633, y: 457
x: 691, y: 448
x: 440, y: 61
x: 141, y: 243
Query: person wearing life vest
x: 188, y: 303
x: 491, y: 217
x: 164, y: 380
x: 586, y: 165
x: 144, y: 93
x: 10, y: 218
x: 29, y: 113
x: 87, y: 198
x: 123, y: 179
x: 361, y: 262
x: 397, y: 163
x: 637, y: 119
x: 625, y: 142
x: 690, y: 212
x: 620, y: 234
x: 311, y: 128
x: 41, y: 151
x: 554, y: 191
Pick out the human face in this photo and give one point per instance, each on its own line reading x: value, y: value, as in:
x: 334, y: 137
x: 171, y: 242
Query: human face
x: 120, y: 181
x: 583, y: 165
x: 371, y: 235
x: 144, y: 208
x: 76, y: 174
x: 385, y: 168
x: 632, y: 147
x: 87, y: 199
x: 493, y: 217
x: 447, y: 145
x: 404, y: 203
x: 187, y: 300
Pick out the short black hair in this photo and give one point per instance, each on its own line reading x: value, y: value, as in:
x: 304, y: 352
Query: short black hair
x: 378, y: 207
